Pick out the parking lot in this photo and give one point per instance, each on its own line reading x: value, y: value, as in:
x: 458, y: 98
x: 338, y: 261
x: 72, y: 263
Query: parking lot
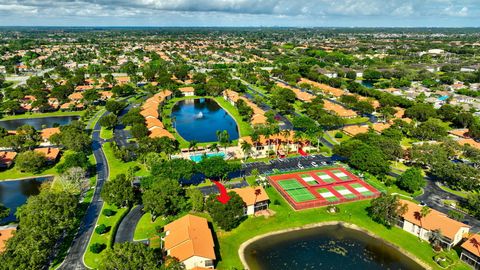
x: 289, y: 164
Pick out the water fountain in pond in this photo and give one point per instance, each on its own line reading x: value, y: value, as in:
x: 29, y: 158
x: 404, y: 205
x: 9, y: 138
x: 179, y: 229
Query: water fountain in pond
x: 199, y: 115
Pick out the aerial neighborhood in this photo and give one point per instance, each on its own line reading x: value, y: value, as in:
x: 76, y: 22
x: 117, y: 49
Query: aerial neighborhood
x: 239, y: 148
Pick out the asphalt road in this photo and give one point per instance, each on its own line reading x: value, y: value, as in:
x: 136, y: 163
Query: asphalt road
x: 126, y: 229
x: 74, y: 259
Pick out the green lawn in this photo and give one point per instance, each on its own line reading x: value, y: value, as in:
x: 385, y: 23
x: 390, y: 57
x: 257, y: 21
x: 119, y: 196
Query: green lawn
x: 117, y: 166
x: 40, y: 115
x: 146, y: 229
x: 106, y: 134
x: 93, y: 260
x: 357, y: 120
x: 332, y: 133
x: 355, y: 213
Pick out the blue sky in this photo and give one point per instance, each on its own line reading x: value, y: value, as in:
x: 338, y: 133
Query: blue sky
x: 300, y: 13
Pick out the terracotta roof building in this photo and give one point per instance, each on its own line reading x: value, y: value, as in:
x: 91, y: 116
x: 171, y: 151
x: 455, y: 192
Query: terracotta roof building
x: 471, y: 251
x: 6, y: 158
x: 48, y: 132
x: 452, y: 231
x: 338, y: 109
x: 187, y: 91
x: 258, y: 116
x: 51, y: 153
x: 327, y: 89
x: 256, y: 199
x: 190, y: 240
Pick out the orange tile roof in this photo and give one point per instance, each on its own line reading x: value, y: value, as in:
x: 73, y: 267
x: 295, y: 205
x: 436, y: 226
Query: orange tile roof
x: 149, y: 113
x: 338, y: 109
x: 153, y: 122
x: 106, y: 94
x: 5, y: 234
x: 400, y: 112
x: 66, y: 105
x: 336, y: 92
x: 473, y: 245
x: 75, y: 96
x: 272, y: 139
x: 83, y: 87
x: 303, y: 96
x: 7, y: 157
x: 189, y: 236
x: 471, y: 142
x: 258, y: 117
x: 355, y: 130
x: 160, y: 132
x: 433, y: 221
x: 51, y: 153
x: 379, y: 127
x: 248, y: 195
x: 48, y: 132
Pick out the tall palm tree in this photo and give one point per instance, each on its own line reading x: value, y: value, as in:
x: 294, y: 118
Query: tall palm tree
x: 213, y: 147
x: 192, y: 145
x: 435, y: 238
x: 223, y: 138
x: 246, y: 148
x: 421, y: 215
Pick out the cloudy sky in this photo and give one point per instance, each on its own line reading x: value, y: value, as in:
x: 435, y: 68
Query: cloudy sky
x: 371, y: 13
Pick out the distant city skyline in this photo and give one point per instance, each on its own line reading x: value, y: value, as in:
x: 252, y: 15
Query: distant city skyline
x: 298, y: 13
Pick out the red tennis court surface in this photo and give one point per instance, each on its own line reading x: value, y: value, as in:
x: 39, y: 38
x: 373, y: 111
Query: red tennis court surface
x: 321, y: 187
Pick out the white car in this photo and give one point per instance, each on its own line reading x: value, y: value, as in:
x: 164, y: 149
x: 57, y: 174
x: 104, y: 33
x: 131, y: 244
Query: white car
x: 300, y: 166
x: 314, y: 164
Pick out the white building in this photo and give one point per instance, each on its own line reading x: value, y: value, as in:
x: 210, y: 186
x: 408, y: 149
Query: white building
x: 256, y: 199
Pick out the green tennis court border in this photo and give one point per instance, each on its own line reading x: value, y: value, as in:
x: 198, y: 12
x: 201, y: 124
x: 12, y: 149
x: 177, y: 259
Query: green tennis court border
x: 288, y: 184
x: 301, y: 195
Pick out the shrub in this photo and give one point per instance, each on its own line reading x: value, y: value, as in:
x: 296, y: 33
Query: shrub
x: 97, y: 248
x: 338, y: 135
x: 276, y: 202
x: 108, y: 212
x: 101, y: 229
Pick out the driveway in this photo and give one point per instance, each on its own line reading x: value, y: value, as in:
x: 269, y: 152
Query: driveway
x: 126, y: 229
x: 74, y: 259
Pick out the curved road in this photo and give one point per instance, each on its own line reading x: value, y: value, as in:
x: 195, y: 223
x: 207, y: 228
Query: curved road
x: 74, y: 259
x: 126, y: 229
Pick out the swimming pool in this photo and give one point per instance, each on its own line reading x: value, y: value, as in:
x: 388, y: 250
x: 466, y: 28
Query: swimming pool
x: 198, y: 158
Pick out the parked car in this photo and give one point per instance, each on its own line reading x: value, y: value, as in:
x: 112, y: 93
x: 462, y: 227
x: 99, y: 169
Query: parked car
x: 314, y: 164
x: 299, y: 165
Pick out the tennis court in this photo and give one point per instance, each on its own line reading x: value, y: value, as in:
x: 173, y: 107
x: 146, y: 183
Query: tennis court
x: 315, y: 188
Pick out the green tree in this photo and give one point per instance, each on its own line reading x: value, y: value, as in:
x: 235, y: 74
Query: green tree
x: 196, y: 199
x: 43, y: 220
x: 421, y: 112
x: 227, y: 216
x: 432, y: 129
x: 386, y: 209
x: 369, y: 159
x: 30, y: 161
x: 132, y: 117
x: 118, y: 191
x: 78, y: 159
x: 73, y: 180
x: 139, y: 131
x: 217, y: 167
x: 108, y: 121
x: 131, y: 256
x: 4, y: 212
x: 114, y: 106
x: 175, y: 169
x: 164, y: 198
x: 411, y: 180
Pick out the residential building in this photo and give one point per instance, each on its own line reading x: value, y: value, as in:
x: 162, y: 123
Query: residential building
x: 187, y: 91
x: 471, y: 251
x: 190, y: 240
x: 51, y: 153
x: 452, y: 231
x: 6, y: 158
x: 46, y: 133
x: 256, y: 199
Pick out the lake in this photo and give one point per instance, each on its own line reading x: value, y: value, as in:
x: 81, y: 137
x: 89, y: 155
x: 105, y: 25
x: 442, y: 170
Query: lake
x: 327, y: 247
x: 38, y: 123
x: 199, y: 119
x: 15, y: 193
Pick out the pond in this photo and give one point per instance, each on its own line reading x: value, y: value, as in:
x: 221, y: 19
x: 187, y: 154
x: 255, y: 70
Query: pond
x: 368, y: 84
x: 200, y: 119
x: 327, y: 247
x: 15, y: 193
x: 37, y: 123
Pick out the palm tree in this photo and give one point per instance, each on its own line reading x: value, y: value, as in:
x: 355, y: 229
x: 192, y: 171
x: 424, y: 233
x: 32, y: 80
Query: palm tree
x: 192, y: 145
x: 213, y: 147
x: 421, y: 215
x: 223, y: 138
x: 435, y: 238
x: 475, y: 243
x: 246, y: 148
